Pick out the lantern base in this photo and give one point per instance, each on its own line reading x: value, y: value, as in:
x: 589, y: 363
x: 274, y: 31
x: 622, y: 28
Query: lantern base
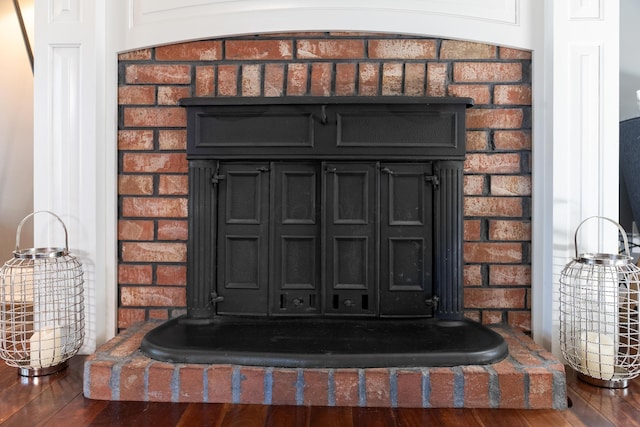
x: 621, y: 383
x: 39, y: 372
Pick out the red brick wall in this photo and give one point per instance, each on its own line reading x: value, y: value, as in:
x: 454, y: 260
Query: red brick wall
x: 152, y: 176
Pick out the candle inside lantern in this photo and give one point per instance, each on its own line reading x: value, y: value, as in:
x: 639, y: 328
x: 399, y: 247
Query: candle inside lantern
x: 598, y: 354
x: 46, y: 348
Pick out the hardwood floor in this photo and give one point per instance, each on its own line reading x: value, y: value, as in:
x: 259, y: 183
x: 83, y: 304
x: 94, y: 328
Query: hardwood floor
x: 57, y: 400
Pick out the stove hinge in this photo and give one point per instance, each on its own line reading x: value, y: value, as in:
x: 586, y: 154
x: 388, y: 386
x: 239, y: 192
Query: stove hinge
x: 432, y: 303
x: 214, y: 299
x: 433, y: 179
x: 216, y: 177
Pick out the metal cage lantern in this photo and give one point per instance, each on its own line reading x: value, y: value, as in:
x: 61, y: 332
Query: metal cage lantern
x: 599, y: 324
x: 42, y: 307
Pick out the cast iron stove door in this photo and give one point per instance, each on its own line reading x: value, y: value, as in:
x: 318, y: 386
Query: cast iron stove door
x: 333, y: 238
x: 406, y: 237
x: 350, y: 200
x: 296, y: 261
x: 243, y: 233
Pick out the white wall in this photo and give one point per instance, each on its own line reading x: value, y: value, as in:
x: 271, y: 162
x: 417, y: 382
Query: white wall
x: 16, y: 129
x: 629, y: 58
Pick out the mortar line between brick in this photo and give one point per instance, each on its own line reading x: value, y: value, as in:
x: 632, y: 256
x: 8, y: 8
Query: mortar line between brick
x: 526, y: 383
x: 494, y: 388
x: 146, y: 381
x: 458, y: 387
x: 235, y: 385
x: 426, y: 388
x: 86, y: 380
x: 300, y: 387
x: 175, y: 384
x: 362, y: 388
x: 393, y: 387
x: 268, y: 386
x: 205, y: 385
x: 559, y: 390
x: 114, y: 381
x: 331, y: 389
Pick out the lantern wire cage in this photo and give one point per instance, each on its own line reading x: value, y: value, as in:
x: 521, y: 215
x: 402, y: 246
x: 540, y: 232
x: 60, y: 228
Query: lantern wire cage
x: 599, y: 322
x: 41, y: 307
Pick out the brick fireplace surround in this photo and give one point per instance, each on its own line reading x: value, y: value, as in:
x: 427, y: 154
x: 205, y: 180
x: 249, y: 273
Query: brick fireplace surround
x: 153, y: 167
x: 153, y: 193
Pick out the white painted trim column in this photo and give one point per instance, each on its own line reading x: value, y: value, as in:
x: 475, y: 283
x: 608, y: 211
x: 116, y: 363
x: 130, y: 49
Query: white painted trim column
x: 74, y: 168
x: 76, y: 110
x: 585, y: 104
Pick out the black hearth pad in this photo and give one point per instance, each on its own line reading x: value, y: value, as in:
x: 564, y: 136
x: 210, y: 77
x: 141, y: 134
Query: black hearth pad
x: 325, y: 342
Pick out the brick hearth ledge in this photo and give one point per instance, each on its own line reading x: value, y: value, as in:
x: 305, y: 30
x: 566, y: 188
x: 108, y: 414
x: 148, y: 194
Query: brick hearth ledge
x: 530, y: 377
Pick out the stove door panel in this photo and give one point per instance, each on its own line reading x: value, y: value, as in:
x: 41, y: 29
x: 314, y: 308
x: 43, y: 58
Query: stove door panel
x: 350, y: 238
x: 406, y: 234
x: 295, y: 247
x: 243, y: 236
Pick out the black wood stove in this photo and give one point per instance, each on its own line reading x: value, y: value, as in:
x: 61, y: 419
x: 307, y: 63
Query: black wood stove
x: 325, y: 232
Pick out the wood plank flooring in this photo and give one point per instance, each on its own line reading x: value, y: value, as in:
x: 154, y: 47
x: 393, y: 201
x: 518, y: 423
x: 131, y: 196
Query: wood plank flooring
x: 57, y: 400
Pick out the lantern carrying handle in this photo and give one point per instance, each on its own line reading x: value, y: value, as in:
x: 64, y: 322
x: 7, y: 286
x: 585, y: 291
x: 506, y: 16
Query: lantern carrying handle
x: 620, y: 229
x: 66, y: 235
